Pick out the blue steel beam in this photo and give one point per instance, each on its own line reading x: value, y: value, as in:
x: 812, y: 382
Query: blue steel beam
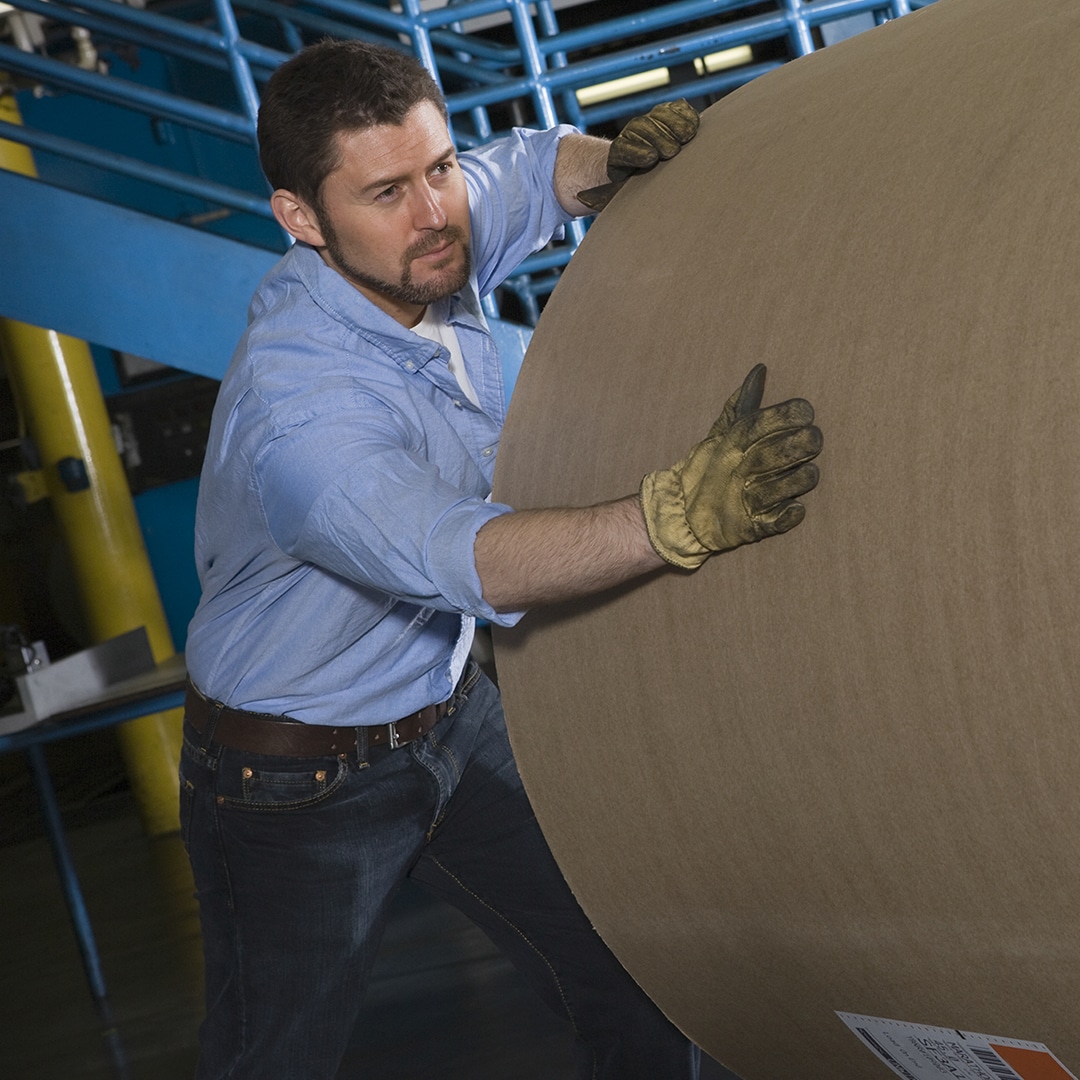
x: 121, y: 279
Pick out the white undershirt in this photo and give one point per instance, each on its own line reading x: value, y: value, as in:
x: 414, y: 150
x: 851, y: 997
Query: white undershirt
x: 434, y: 327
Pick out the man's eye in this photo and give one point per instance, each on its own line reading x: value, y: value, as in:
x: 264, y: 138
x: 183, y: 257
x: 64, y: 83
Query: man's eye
x: 387, y: 194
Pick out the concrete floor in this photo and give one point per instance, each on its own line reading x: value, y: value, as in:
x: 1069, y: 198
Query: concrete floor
x: 443, y: 1004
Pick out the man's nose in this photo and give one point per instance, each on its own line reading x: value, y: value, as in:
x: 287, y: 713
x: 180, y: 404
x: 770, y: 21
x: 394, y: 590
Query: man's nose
x: 428, y: 212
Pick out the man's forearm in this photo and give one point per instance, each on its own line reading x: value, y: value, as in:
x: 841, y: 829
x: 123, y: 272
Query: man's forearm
x: 581, y: 163
x: 535, y: 557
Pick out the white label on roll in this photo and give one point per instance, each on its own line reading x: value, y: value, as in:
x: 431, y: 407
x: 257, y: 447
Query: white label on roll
x: 920, y: 1052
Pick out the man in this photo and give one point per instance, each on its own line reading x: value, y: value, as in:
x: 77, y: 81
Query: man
x: 338, y: 737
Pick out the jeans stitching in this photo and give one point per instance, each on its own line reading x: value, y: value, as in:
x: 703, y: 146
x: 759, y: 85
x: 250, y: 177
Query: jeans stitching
x: 524, y: 937
x: 436, y: 745
x: 470, y: 678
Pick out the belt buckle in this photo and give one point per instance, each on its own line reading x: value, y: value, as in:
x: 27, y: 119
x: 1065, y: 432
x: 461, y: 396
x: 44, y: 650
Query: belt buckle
x: 393, y: 740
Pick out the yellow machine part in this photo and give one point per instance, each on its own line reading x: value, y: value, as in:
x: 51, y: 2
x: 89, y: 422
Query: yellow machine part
x: 58, y: 395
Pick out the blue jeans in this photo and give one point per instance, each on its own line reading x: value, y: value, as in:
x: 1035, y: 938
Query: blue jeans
x: 296, y: 861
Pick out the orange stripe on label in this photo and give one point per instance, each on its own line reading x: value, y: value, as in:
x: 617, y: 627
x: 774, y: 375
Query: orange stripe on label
x: 1032, y: 1064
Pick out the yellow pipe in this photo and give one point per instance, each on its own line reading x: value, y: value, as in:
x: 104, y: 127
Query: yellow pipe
x: 57, y: 392
x: 15, y: 157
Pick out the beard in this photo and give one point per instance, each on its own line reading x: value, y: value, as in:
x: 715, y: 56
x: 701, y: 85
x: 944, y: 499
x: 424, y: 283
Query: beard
x: 405, y: 290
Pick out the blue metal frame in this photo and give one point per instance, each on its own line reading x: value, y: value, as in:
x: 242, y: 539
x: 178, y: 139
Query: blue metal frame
x: 538, y: 73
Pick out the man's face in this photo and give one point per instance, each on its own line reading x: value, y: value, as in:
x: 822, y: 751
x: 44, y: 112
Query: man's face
x: 395, y: 214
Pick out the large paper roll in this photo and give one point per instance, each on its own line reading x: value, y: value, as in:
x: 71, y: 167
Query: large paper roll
x: 836, y: 771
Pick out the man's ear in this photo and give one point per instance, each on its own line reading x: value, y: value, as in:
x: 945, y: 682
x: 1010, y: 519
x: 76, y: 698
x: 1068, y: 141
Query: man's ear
x: 296, y: 217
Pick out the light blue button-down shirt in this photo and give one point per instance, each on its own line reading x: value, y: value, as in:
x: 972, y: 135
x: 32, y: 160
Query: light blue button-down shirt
x: 347, y: 475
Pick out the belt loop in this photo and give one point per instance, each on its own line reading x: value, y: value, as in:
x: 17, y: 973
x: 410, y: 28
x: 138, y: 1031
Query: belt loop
x: 211, y: 726
x: 361, y: 745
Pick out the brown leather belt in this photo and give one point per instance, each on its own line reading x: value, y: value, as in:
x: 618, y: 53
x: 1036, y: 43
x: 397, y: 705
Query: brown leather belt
x: 264, y: 733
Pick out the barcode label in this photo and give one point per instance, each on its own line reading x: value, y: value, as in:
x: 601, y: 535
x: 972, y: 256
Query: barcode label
x: 998, y: 1067
x: 922, y: 1052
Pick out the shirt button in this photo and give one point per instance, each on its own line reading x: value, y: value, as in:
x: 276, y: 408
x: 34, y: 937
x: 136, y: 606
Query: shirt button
x: 487, y: 451
x: 409, y: 365
x: 457, y: 402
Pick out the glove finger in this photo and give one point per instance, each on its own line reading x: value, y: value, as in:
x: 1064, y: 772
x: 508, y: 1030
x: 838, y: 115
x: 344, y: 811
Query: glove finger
x: 679, y: 117
x: 751, y: 392
x: 780, y: 519
x: 656, y: 136
x: 742, y: 403
x: 784, y: 416
x: 780, y: 451
x: 663, y: 139
x: 763, y: 495
x: 670, y: 127
x: 639, y: 146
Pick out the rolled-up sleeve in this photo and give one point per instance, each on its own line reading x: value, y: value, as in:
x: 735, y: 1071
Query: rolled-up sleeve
x: 512, y: 182
x: 351, y: 492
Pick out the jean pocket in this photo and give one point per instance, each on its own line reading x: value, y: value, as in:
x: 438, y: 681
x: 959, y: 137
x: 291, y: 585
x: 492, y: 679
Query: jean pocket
x: 273, y: 784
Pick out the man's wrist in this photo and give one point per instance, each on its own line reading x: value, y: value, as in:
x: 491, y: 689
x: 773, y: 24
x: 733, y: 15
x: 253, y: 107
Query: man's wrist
x: 580, y: 164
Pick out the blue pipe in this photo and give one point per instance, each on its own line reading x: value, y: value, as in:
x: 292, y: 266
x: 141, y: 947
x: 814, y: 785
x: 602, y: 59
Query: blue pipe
x: 797, y: 14
x: 291, y: 16
x: 138, y: 170
x: 675, y: 50
x: 241, y: 73
x: 593, y: 71
x: 156, y: 103
x: 481, y: 121
x: 359, y: 12
x: 136, y: 34
x: 628, y: 26
x: 535, y: 63
x: 468, y: 9
x: 153, y: 30
x: 721, y: 83
x: 76, y: 905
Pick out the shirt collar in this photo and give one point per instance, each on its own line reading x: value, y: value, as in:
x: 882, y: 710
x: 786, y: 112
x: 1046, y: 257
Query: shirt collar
x: 347, y: 305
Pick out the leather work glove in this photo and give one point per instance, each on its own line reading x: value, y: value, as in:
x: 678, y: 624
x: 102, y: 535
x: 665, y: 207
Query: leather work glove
x: 740, y: 484
x: 658, y: 135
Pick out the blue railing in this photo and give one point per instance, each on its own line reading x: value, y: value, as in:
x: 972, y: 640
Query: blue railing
x: 186, y: 75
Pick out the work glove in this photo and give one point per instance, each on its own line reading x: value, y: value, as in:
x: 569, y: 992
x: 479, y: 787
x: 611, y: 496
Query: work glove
x: 740, y: 484
x: 658, y: 135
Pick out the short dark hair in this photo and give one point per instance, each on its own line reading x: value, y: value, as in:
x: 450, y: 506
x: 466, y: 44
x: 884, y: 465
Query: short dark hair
x: 328, y: 88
